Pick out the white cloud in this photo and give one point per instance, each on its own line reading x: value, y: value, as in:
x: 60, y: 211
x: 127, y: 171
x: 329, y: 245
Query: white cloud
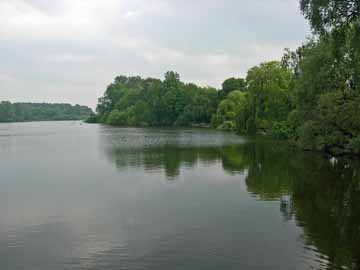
x: 6, y: 78
x: 70, y: 49
x: 66, y: 58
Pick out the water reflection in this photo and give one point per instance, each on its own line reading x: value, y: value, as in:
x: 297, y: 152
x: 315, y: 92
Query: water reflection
x: 91, y: 197
x: 168, y: 150
x: 320, y: 195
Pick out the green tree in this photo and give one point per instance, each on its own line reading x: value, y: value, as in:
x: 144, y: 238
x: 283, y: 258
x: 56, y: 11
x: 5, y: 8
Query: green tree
x: 341, y: 21
x: 6, y: 112
x: 325, y: 15
x: 230, y: 110
x: 269, y: 93
x: 150, y: 102
x: 19, y: 112
x: 232, y: 84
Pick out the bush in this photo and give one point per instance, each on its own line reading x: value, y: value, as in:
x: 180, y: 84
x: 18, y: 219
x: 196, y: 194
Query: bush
x: 308, y: 135
x: 183, y: 120
x: 227, y: 125
x: 281, y: 130
x: 216, y: 120
x: 294, y: 119
x: 262, y: 124
x: 229, y: 116
x: 117, y: 118
x: 355, y: 145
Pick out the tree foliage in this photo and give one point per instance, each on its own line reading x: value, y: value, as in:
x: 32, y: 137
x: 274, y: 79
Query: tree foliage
x: 20, y: 112
x: 311, y: 96
x: 230, y: 109
x: 269, y: 91
x: 232, y: 84
x: 325, y: 15
x: 263, y: 101
x: 326, y: 86
x: 133, y: 101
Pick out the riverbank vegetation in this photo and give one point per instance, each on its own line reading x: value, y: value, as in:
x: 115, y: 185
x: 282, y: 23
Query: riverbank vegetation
x: 133, y: 101
x: 311, y: 96
x: 22, y: 112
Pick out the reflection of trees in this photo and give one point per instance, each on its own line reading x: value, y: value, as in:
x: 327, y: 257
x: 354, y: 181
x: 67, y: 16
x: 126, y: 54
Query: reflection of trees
x: 269, y: 174
x: 169, y: 149
x: 234, y: 158
x: 168, y: 157
x: 322, y: 197
x: 172, y: 157
x: 328, y: 204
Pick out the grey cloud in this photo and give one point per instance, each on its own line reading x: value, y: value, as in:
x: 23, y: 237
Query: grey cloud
x: 70, y: 50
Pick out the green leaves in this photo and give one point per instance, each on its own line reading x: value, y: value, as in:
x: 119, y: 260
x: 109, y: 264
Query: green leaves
x: 326, y: 93
x: 230, y: 111
x: 312, y: 96
x: 269, y: 93
x: 19, y: 112
x: 133, y: 101
x: 232, y: 84
x: 325, y: 15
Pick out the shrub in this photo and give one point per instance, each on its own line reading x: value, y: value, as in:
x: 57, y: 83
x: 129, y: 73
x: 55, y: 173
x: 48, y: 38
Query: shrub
x: 308, y: 135
x: 117, y: 118
x: 227, y: 125
x: 281, y: 130
x: 354, y: 145
x: 216, y: 120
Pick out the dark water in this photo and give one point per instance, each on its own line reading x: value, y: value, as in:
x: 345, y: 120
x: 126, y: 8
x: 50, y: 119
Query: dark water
x: 92, y: 197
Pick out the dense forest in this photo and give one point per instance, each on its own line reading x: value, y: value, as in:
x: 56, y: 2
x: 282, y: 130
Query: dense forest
x: 21, y: 112
x: 311, y: 96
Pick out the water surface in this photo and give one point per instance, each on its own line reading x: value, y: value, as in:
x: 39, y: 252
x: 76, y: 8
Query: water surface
x: 77, y: 196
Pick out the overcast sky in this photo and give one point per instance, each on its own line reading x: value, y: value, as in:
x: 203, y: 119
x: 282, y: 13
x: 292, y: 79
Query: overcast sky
x: 70, y: 50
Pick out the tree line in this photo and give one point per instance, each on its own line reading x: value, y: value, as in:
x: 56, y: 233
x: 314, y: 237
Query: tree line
x: 21, y: 112
x: 310, y: 96
x: 133, y: 101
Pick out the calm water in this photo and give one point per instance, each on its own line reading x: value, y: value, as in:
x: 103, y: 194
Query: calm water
x: 78, y: 196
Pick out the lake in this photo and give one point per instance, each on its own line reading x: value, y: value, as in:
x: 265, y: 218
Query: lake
x: 78, y: 196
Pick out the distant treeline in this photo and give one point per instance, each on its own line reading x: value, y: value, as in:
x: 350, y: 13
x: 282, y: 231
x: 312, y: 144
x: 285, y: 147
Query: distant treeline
x: 21, y: 112
x: 310, y: 97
